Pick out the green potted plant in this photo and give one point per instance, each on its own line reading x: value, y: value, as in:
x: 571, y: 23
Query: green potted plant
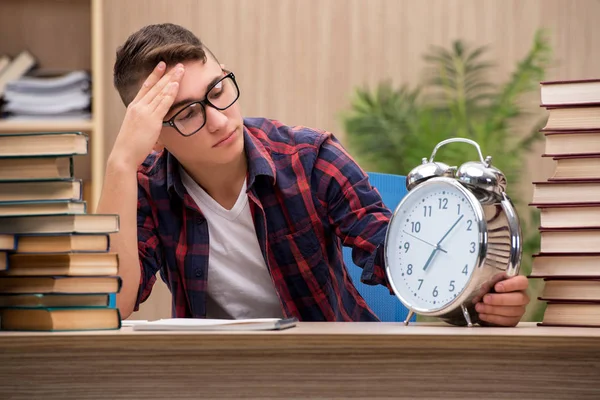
x: 390, y: 129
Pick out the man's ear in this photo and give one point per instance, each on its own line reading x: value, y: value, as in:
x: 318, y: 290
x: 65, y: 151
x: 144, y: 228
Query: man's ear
x: 222, y: 66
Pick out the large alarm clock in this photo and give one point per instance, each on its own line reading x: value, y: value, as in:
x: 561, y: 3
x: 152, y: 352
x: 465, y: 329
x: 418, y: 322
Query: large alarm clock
x: 452, y: 237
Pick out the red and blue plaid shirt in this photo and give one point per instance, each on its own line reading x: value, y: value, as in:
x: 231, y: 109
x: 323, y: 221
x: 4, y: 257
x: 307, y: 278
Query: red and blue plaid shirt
x: 308, y: 198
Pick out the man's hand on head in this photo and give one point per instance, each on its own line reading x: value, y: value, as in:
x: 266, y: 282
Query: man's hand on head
x: 142, y: 124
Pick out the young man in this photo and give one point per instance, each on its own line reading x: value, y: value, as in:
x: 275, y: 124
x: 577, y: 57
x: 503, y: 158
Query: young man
x: 242, y: 217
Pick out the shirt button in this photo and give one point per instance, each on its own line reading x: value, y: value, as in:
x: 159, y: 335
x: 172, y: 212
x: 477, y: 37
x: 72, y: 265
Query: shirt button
x: 198, y: 273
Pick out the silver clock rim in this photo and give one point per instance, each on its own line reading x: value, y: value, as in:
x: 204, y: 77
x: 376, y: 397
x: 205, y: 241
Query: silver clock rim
x: 481, y: 256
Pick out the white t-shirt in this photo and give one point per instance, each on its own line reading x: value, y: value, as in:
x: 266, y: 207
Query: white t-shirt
x: 239, y: 283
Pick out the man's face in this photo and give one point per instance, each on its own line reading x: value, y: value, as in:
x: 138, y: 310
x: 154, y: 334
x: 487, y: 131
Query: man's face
x: 220, y: 141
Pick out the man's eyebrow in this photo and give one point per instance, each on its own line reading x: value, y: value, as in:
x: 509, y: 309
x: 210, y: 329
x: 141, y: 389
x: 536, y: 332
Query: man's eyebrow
x: 183, y: 102
x: 179, y: 104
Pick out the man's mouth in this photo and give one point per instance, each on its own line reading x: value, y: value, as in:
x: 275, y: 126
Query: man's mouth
x: 225, y: 138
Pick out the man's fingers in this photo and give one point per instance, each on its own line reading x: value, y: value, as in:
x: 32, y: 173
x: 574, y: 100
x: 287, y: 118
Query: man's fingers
x: 514, y: 284
x: 163, y: 102
x: 505, y: 311
x: 499, y: 320
x: 506, y: 299
x: 173, y: 75
x: 151, y: 80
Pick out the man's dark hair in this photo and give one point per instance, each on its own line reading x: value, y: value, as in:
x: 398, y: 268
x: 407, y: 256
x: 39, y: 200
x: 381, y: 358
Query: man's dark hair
x: 144, y: 49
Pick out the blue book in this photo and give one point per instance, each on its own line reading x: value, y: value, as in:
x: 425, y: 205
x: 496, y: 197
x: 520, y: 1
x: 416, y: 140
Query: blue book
x: 60, y: 319
x: 54, y: 300
x: 43, y: 143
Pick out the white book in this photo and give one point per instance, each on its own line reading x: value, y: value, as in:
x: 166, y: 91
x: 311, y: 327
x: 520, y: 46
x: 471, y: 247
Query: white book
x: 47, y: 81
x: 200, y: 324
x: 52, y: 108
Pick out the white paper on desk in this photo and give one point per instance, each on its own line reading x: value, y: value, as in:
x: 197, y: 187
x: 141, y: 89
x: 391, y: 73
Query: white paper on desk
x: 133, y: 322
x: 201, y: 324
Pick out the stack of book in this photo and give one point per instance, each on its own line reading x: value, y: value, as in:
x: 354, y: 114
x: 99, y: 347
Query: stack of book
x: 569, y: 203
x: 30, y: 93
x: 56, y: 270
x: 49, y: 94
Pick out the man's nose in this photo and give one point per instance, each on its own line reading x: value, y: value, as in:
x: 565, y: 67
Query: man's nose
x: 215, y: 119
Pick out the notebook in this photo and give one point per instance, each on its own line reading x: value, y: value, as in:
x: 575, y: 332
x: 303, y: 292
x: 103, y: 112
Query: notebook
x: 200, y: 324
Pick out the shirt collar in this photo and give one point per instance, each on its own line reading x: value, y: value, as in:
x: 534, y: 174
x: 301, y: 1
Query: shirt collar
x: 259, y: 163
x: 259, y: 158
x: 173, y: 175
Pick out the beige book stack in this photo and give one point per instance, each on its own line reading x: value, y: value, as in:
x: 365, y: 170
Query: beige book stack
x: 569, y: 203
x: 56, y: 269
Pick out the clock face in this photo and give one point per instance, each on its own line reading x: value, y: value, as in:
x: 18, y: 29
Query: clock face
x: 433, y: 244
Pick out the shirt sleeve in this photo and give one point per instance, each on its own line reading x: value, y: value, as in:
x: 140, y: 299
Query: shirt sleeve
x: 354, y: 208
x: 149, y: 247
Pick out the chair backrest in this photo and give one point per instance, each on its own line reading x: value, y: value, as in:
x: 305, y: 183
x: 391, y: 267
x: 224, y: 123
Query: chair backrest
x: 386, y: 306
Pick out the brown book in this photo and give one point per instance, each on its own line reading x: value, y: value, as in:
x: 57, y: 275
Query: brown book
x: 564, y: 143
x: 580, y: 167
x: 8, y: 242
x: 569, y: 215
x: 59, y: 224
x: 54, y: 300
x: 42, y: 208
x: 70, y: 243
x: 43, y: 144
x: 571, y: 265
x: 68, y: 189
x: 583, y: 314
x: 573, y: 92
x: 571, y: 289
x: 59, y: 284
x: 569, y: 240
x: 70, y: 264
x: 573, y: 118
x: 31, y: 168
x: 581, y: 191
x: 60, y: 319
x: 4, y: 62
x: 3, y: 261
x: 18, y: 67
x: 565, y: 215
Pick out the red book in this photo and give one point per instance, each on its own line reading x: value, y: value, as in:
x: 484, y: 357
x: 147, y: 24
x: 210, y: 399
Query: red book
x: 568, y: 265
x: 570, y: 92
x: 567, y: 143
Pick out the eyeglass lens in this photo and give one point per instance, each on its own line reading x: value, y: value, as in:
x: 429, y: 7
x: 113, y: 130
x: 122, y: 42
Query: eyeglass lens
x: 221, y: 96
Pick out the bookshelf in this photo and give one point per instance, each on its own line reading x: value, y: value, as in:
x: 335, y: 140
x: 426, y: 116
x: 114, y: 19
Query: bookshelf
x: 62, y: 35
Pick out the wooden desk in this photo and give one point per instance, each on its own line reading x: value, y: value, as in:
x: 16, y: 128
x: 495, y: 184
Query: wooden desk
x: 313, y: 360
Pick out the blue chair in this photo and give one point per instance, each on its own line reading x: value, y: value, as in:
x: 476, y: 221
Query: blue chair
x: 386, y: 306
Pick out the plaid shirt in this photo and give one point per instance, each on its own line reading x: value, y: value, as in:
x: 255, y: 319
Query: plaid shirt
x: 308, y: 198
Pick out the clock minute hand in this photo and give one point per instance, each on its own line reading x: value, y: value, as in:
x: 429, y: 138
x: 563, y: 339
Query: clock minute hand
x: 438, y: 247
x: 426, y: 242
x: 450, y: 230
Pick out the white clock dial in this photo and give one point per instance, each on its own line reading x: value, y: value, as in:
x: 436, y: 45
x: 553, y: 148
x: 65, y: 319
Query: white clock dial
x: 433, y: 245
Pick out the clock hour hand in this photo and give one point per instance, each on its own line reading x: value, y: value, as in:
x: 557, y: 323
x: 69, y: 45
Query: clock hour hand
x: 426, y: 242
x: 431, y: 258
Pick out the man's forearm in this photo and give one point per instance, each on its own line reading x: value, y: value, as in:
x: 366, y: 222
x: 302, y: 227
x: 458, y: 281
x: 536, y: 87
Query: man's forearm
x: 119, y: 196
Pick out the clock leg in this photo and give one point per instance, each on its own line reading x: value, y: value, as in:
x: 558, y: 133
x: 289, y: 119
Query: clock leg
x: 408, y: 317
x: 466, y: 315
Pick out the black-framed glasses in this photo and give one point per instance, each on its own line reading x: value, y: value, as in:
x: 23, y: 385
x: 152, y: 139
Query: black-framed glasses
x: 220, y: 96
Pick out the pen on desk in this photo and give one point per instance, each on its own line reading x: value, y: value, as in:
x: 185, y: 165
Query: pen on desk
x: 286, y: 323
